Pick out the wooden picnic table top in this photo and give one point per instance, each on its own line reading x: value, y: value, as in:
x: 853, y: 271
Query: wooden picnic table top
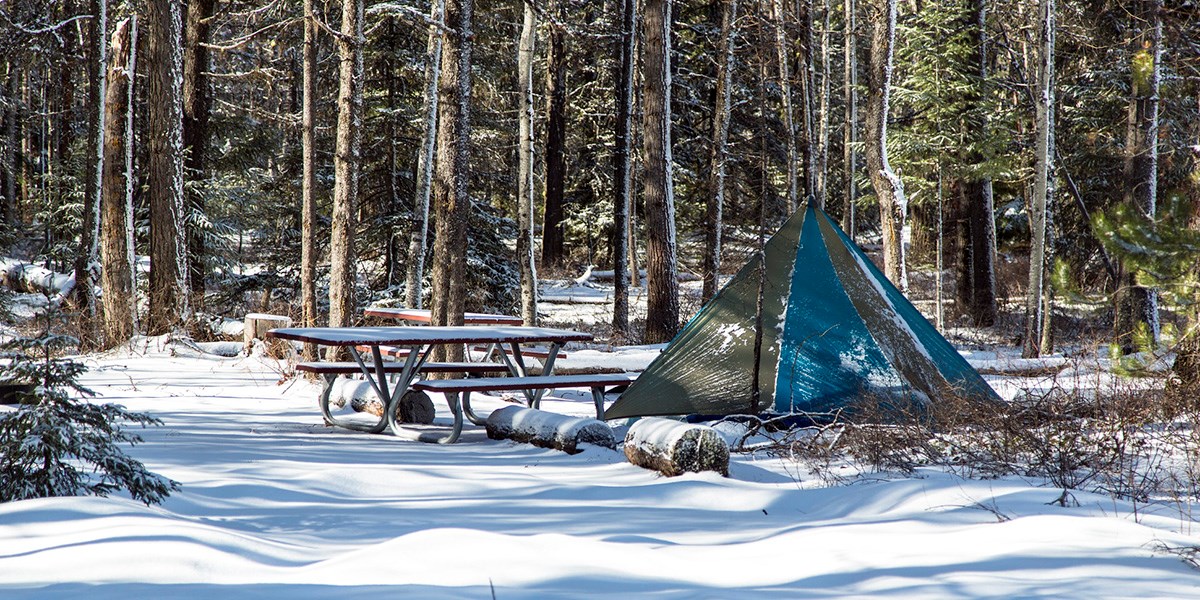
x: 419, y: 336
x: 418, y: 315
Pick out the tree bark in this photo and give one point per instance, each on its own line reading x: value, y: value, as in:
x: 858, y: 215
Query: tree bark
x: 556, y: 133
x: 346, y: 166
x: 622, y: 194
x: 1036, y: 305
x: 1137, y: 306
x: 87, y: 259
x: 525, y: 183
x: 850, y: 127
x: 116, y: 232
x: 169, y: 306
x: 197, y: 101
x: 452, y: 202
x: 9, y: 159
x: 719, y: 155
x: 662, y: 310
x: 893, y: 206
x: 822, y: 174
x: 785, y: 91
x: 418, y: 237
x: 308, y: 185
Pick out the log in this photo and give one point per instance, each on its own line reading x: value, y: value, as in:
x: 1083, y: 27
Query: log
x: 548, y: 430
x: 673, y: 448
x: 256, y: 327
x: 415, y: 407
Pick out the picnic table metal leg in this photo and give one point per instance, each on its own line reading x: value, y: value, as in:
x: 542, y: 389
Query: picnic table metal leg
x: 471, y: 416
x: 332, y: 420
x: 598, y: 400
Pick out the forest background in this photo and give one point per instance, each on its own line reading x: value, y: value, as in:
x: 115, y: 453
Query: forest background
x: 308, y: 158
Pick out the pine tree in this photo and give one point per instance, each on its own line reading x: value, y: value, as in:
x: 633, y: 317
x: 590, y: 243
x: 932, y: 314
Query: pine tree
x: 57, y: 444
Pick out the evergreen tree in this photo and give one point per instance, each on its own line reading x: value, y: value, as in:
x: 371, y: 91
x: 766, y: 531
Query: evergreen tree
x: 57, y: 444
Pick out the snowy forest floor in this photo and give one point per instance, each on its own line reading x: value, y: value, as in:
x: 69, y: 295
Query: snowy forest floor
x: 273, y: 503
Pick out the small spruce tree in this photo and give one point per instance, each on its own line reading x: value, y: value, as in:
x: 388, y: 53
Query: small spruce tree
x: 56, y: 444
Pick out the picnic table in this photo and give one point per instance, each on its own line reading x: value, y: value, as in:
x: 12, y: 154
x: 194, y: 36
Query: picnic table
x: 418, y: 315
x: 420, y: 341
x: 424, y: 317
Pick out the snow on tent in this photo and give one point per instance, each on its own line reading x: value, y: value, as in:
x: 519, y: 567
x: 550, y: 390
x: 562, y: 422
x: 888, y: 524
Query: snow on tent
x: 833, y: 329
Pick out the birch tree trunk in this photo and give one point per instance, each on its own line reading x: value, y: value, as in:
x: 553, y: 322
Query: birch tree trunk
x: 346, y: 167
x: 452, y: 202
x: 116, y: 202
x: 556, y: 133
x: 308, y: 202
x: 1137, y: 306
x: 785, y: 91
x: 893, y: 206
x: 525, y: 178
x: 418, y: 237
x: 1036, y: 313
x: 662, y: 310
x: 164, y: 96
x: 621, y: 165
x: 197, y: 100
x: 87, y: 259
x: 715, y: 205
x: 850, y: 128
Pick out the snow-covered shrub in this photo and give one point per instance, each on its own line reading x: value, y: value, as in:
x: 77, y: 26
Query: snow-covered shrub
x: 56, y: 444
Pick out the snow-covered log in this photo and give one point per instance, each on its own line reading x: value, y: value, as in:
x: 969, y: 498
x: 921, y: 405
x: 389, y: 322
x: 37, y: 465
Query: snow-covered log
x: 674, y: 448
x: 25, y: 277
x: 415, y: 407
x: 548, y: 430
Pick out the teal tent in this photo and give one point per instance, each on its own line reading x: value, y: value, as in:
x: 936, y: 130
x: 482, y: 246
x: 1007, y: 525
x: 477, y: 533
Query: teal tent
x: 833, y: 329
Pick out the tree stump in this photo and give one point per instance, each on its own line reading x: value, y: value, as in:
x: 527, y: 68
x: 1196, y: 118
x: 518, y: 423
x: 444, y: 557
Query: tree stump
x: 548, y: 430
x: 256, y: 327
x: 673, y: 448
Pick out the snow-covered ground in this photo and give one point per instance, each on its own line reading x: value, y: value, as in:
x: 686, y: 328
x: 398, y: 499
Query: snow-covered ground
x: 274, y: 504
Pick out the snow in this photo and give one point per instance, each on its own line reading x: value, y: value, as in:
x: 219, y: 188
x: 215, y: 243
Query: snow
x: 276, y: 504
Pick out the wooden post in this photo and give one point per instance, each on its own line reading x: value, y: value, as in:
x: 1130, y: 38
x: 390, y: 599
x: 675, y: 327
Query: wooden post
x: 257, y: 326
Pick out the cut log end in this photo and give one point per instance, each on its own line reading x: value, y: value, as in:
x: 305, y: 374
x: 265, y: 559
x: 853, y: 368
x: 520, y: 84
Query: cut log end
x: 256, y: 327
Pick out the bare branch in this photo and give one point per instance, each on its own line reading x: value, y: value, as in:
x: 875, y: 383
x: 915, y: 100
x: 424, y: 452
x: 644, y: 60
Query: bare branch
x: 245, y: 39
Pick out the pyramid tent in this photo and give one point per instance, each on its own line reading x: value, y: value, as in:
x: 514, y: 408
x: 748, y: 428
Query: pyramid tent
x: 833, y: 329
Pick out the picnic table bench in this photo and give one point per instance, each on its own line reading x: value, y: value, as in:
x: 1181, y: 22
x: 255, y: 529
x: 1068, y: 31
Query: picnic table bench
x: 464, y: 387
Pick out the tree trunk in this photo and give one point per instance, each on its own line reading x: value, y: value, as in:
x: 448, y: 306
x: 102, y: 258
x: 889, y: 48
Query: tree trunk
x: 452, y: 202
x: 87, y: 258
x: 164, y: 96
x: 9, y: 159
x: 822, y: 175
x: 662, y: 293
x: 308, y: 203
x: 346, y: 167
x: 850, y: 127
x: 893, y: 206
x: 785, y: 91
x: 116, y: 232
x: 715, y: 204
x: 622, y: 194
x: 197, y: 100
x: 525, y: 183
x: 1137, y: 306
x: 1036, y: 314
x: 418, y: 242
x: 556, y: 133
x: 977, y: 272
